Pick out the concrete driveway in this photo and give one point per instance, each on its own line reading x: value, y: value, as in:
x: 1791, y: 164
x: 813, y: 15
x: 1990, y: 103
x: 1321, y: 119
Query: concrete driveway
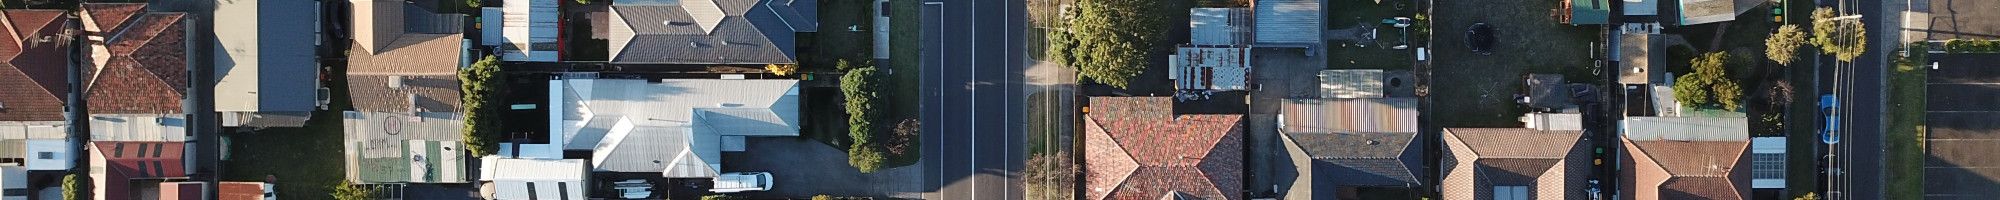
x: 804, y: 168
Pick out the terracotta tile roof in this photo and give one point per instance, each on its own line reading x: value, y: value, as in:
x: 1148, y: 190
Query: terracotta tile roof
x: 32, y: 81
x: 240, y: 191
x: 124, y: 161
x: 420, y: 61
x: 147, y: 61
x: 1478, y: 159
x: 109, y: 16
x: 1667, y: 169
x: 1136, y: 148
x: 413, y: 54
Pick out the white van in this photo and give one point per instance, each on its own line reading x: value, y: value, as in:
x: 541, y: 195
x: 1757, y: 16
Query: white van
x: 734, y: 182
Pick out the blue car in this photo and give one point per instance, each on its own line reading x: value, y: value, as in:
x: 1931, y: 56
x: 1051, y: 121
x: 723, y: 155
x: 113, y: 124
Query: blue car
x: 1830, y: 108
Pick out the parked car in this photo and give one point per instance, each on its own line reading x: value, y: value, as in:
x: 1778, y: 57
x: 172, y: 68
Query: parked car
x: 734, y: 182
x: 1829, y: 108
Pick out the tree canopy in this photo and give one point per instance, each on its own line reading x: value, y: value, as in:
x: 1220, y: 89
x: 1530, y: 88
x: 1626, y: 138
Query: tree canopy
x: 862, y: 87
x: 1844, y: 39
x: 1113, y: 37
x: 1783, y: 47
x: 1709, y: 83
x: 483, y: 86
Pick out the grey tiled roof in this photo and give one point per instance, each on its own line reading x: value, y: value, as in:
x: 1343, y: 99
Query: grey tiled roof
x: 672, y: 34
x: 1361, y: 159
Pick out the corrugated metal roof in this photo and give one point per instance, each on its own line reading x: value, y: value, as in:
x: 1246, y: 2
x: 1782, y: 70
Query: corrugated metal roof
x: 1349, y: 115
x: 1350, y: 83
x: 265, y: 59
x: 1289, y: 22
x: 527, y: 30
x: 138, y: 127
x: 538, y: 178
x: 1685, y: 129
x: 403, y: 148
x: 1217, y: 26
x: 1211, y: 68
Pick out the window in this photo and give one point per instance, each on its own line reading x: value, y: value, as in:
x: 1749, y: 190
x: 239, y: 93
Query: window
x: 142, y: 169
x: 118, y: 150
x: 142, y: 151
x: 156, y: 150
x: 159, y: 169
x: 45, y: 155
x: 531, y: 191
x: 562, y: 188
x: 1510, y: 192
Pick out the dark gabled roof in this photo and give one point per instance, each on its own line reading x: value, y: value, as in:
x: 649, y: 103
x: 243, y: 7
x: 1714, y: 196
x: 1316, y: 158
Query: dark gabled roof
x: 1136, y: 148
x: 801, y: 15
x: 731, y: 32
x: 147, y: 61
x: 33, y: 83
x: 1361, y: 159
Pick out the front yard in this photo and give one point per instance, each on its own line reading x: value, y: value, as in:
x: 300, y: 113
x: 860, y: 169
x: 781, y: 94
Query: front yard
x: 837, y: 40
x: 1478, y: 90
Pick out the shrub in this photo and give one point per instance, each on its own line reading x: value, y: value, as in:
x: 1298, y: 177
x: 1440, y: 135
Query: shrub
x: 861, y: 86
x: 904, y: 137
x: 866, y: 157
x: 75, y: 188
x: 349, y: 191
x: 1972, y: 46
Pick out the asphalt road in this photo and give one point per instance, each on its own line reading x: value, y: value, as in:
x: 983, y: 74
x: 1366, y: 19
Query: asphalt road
x: 973, y: 113
x: 1860, y: 88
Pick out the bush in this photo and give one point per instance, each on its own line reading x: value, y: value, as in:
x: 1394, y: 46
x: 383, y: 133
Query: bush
x: 484, y: 86
x: 719, y: 197
x: 861, y: 88
x: 866, y: 157
x: 1972, y: 46
x: 904, y: 138
x: 781, y: 69
x: 349, y: 191
x: 75, y: 188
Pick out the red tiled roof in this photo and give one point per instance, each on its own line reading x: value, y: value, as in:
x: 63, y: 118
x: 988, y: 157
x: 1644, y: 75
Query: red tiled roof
x: 109, y: 16
x: 240, y: 191
x: 124, y: 161
x: 181, y: 190
x: 147, y: 62
x: 1687, y: 169
x: 1477, y: 159
x: 1137, y: 149
x: 32, y: 81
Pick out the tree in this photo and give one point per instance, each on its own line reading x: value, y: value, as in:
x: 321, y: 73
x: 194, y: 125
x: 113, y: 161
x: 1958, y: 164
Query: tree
x: 861, y: 87
x: 1709, y: 83
x: 866, y: 157
x: 1113, y: 38
x: 1049, y: 176
x: 844, y: 65
x: 1845, y: 39
x: 1808, y: 196
x: 349, y: 191
x: 1783, y: 47
x: 483, y: 87
x: 75, y: 188
x: 781, y: 69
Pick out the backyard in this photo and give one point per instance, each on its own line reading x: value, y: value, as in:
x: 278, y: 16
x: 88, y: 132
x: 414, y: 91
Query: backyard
x: 1350, y: 49
x: 1478, y: 90
x: 306, y: 161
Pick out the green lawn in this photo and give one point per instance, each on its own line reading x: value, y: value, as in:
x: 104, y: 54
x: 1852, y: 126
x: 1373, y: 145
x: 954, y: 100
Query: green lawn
x: 1473, y: 90
x: 904, y: 99
x: 306, y: 161
x: 1802, y: 172
x: 1906, y: 128
x: 1376, y: 54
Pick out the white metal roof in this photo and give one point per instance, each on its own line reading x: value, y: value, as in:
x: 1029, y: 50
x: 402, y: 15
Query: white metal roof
x: 536, y: 178
x: 1216, y: 26
x: 527, y: 30
x: 670, y: 126
x: 1210, y: 68
x: 138, y: 127
x: 1554, y: 121
x: 1686, y: 128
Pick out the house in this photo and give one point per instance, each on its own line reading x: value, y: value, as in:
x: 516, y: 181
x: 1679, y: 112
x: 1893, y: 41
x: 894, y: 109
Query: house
x: 406, y: 123
x: 1137, y: 148
x: 136, y: 54
x: 676, y: 127
x: 226, y: 190
x: 126, y: 169
x: 1767, y: 163
x: 266, y: 72
x: 13, y: 183
x: 1693, y: 12
x: 33, y: 61
x: 533, y: 178
x: 1350, y: 138
x: 706, y: 31
x: 1288, y: 23
x: 1514, y: 163
x: 1685, y: 158
x: 524, y: 30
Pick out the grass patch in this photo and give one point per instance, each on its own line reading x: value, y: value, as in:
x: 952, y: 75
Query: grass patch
x: 904, y: 101
x: 1478, y: 90
x: 1802, y: 172
x: 1906, y: 129
x: 307, y: 161
x: 1377, y: 53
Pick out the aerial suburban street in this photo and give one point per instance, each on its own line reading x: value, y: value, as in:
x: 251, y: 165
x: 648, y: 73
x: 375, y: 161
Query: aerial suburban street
x: 973, y: 103
x: 1862, y: 102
